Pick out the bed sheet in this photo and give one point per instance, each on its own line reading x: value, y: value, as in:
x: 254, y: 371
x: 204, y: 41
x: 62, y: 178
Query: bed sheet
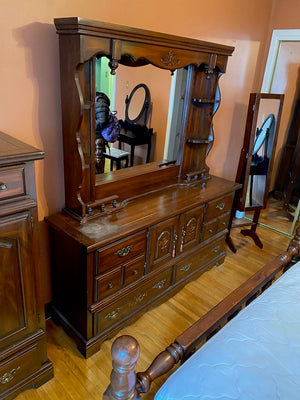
x: 255, y: 356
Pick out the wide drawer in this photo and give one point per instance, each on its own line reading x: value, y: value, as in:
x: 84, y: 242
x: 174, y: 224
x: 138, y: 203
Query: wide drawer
x: 120, y: 252
x: 12, y: 182
x: 199, y: 259
x: 19, y: 366
x: 217, y: 207
x: 123, y: 307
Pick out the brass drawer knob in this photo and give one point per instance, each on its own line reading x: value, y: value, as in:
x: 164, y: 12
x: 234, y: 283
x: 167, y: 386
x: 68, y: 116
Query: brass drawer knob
x: 123, y: 252
x: 135, y: 272
x: 216, y: 249
x: 110, y: 285
x: 211, y: 230
x: 3, y: 187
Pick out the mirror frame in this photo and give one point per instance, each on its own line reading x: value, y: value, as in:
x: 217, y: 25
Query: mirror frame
x: 244, y: 167
x: 144, y: 108
x: 80, y: 42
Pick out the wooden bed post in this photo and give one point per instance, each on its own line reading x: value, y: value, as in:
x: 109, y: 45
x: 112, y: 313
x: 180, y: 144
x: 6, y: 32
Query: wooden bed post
x: 125, y: 352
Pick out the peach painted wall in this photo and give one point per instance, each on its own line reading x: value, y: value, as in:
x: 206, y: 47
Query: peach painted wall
x: 29, y: 74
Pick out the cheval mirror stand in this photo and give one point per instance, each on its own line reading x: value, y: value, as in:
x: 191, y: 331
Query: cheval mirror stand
x: 130, y: 238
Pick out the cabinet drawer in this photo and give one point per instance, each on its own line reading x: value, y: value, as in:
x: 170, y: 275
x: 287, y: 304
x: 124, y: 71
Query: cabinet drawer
x: 217, y: 207
x: 194, y: 263
x: 108, y: 284
x: 130, y: 302
x: 19, y: 366
x: 12, y: 182
x: 120, y: 252
x: 215, y: 226
x: 134, y: 270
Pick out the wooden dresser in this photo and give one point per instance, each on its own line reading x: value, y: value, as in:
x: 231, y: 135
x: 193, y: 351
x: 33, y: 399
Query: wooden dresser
x: 23, y: 356
x: 131, y: 238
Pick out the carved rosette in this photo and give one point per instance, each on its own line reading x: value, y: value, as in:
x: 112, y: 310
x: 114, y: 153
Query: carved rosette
x: 170, y: 59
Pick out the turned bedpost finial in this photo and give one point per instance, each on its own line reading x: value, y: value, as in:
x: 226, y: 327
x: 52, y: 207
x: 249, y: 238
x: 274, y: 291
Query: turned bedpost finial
x: 125, y: 352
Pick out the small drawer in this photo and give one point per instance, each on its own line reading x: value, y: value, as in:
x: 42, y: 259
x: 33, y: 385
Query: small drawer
x: 223, y: 222
x: 108, y: 284
x: 134, y: 270
x: 217, y: 207
x: 120, y: 252
x: 210, y: 229
x: 12, y: 182
x: 18, y: 367
x: 138, y: 297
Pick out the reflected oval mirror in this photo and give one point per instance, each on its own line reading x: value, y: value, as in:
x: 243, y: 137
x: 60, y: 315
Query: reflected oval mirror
x: 266, y: 128
x: 137, y: 104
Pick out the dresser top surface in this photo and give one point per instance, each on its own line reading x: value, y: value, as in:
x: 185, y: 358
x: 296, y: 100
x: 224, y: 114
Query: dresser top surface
x: 14, y: 150
x: 140, y: 213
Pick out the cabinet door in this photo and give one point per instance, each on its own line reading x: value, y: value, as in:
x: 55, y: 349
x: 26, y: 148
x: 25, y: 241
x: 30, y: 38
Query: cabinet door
x: 18, y: 314
x: 163, y: 242
x: 190, y: 229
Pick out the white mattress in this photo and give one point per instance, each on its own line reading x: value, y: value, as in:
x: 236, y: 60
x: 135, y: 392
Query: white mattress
x: 255, y: 356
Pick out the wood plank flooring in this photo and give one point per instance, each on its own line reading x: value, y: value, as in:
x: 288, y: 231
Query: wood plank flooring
x: 78, y: 379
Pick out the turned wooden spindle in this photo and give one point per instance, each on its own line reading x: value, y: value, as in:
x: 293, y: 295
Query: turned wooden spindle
x: 125, y: 352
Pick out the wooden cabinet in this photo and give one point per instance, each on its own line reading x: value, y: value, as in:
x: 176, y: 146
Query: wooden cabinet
x: 131, y: 238
x: 23, y: 357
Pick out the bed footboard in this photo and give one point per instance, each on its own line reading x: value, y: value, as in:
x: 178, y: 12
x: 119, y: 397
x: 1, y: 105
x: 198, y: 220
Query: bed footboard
x: 125, y: 384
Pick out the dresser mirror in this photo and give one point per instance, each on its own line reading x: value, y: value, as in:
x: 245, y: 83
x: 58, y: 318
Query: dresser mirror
x: 82, y: 42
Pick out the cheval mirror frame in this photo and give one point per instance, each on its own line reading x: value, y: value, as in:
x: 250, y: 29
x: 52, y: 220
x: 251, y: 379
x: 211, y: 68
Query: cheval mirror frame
x: 81, y: 41
x: 242, y: 202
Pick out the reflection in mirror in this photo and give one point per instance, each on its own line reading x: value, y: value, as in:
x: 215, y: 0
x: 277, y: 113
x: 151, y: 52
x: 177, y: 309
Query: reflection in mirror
x: 262, y: 152
x: 118, y: 88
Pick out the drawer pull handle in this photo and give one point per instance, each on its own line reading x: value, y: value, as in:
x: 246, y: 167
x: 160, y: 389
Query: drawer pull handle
x: 113, y: 314
x: 110, y: 285
x: 186, y: 267
x: 123, y: 252
x: 220, y: 206
x: 159, y: 285
x: 3, y: 187
x: 216, y: 249
x: 135, y: 272
x: 211, y: 230
x: 174, y: 245
x: 8, y: 376
x: 6, y: 245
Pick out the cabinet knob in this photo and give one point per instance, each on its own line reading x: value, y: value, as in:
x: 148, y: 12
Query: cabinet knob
x: 216, y: 249
x: 110, y: 285
x: 3, y: 186
x: 135, y: 272
x: 8, y: 376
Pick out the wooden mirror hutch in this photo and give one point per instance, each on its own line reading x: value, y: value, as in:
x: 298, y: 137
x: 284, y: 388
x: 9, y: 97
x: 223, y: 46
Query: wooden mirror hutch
x: 131, y: 238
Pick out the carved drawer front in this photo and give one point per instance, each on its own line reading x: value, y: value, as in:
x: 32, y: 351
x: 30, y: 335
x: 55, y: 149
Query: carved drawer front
x: 12, y: 182
x: 163, y: 242
x: 133, y: 270
x: 18, y: 367
x: 122, y: 308
x: 217, y: 207
x: 190, y: 229
x: 108, y: 283
x: 120, y: 252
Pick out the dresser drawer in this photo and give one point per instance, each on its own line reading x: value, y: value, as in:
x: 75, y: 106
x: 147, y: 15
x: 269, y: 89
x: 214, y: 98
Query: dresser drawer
x: 215, y: 226
x: 108, y: 283
x: 217, y: 207
x: 120, y: 252
x: 133, y: 270
x: 122, y: 308
x: 199, y: 259
x: 12, y: 182
x: 19, y: 366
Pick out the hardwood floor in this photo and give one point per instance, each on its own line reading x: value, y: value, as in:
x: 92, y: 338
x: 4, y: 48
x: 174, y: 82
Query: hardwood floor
x: 77, y: 378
